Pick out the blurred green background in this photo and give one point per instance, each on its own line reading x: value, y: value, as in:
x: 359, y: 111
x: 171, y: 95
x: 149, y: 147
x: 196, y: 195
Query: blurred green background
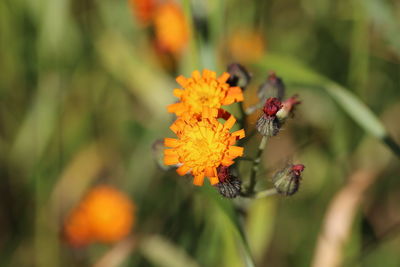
x: 83, y: 97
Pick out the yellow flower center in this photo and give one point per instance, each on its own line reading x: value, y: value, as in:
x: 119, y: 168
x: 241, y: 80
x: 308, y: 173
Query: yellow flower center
x: 203, y: 145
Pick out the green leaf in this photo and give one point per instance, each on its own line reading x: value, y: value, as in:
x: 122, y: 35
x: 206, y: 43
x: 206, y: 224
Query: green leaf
x: 227, y: 207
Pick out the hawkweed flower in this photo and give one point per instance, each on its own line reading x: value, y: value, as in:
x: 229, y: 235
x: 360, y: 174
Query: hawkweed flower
x: 204, y: 91
x: 246, y: 45
x: 104, y: 215
x: 203, y: 145
x: 171, y: 28
x: 229, y: 185
x: 287, y: 180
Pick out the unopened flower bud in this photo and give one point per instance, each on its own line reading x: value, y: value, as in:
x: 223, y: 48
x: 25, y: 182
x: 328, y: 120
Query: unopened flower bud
x: 229, y: 185
x: 268, y: 124
x: 287, y: 181
x: 239, y: 76
x: 288, y: 107
x: 272, y: 87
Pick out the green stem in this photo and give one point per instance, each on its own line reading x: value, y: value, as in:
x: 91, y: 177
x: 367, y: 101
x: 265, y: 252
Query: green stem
x: 266, y: 193
x: 246, y: 159
x: 242, y: 120
x: 255, y: 167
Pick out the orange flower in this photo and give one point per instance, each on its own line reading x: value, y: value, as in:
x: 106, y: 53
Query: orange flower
x: 204, y: 90
x: 171, y: 28
x: 143, y: 10
x: 203, y: 145
x: 104, y: 215
x: 246, y: 46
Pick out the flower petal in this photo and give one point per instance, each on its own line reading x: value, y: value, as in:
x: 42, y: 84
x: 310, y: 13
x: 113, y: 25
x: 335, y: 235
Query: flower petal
x: 198, y: 179
x: 230, y: 122
x: 182, y: 170
x: 182, y: 80
x: 171, y: 160
x: 224, y: 77
x: 171, y: 142
x: 235, y: 151
x: 213, y: 180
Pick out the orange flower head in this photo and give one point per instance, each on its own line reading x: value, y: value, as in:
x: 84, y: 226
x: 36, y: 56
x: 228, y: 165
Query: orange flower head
x: 143, y: 10
x: 204, y: 90
x: 171, y: 28
x: 104, y: 215
x: 203, y: 144
x: 246, y: 45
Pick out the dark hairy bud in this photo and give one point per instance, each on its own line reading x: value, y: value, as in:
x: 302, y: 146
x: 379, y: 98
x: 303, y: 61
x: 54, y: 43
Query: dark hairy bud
x: 229, y: 185
x: 239, y: 76
x: 268, y: 124
x: 287, y: 180
x: 272, y: 87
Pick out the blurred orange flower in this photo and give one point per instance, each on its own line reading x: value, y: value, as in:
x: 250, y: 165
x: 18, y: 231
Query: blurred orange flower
x: 143, y: 10
x: 104, y: 215
x: 203, y: 145
x: 171, y: 28
x: 246, y: 46
x: 204, y: 90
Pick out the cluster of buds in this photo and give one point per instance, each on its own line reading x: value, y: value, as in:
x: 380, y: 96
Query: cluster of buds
x: 275, y: 111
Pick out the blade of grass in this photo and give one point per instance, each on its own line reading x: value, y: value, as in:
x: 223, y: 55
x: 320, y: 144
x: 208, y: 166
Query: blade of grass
x: 227, y: 207
x: 161, y: 252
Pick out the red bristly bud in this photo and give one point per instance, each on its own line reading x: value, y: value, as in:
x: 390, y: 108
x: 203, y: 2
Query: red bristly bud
x: 223, y: 173
x: 298, y: 169
x: 272, y: 106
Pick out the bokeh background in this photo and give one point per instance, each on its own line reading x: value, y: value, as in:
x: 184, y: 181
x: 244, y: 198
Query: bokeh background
x: 84, y: 86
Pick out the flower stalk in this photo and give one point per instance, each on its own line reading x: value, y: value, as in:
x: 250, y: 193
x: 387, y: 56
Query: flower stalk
x: 254, y: 169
